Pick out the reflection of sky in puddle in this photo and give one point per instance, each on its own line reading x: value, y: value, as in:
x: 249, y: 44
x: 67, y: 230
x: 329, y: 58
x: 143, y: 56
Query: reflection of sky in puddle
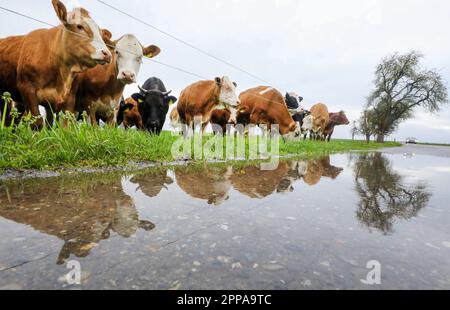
x: 308, y: 224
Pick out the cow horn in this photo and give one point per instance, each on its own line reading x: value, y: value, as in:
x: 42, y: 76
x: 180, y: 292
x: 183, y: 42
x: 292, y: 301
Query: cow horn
x: 143, y: 90
x: 167, y: 93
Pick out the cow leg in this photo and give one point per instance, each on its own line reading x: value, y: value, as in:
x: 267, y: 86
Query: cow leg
x: 29, y: 96
x: 93, y: 117
x: 110, y: 121
x: 204, y: 125
x: 49, y: 116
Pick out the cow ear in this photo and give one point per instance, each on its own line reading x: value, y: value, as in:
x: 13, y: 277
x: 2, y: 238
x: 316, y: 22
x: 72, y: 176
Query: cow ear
x: 219, y: 81
x: 61, y: 11
x: 107, y: 38
x: 151, y: 51
x: 171, y: 100
x: 106, y: 34
x: 138, y: 98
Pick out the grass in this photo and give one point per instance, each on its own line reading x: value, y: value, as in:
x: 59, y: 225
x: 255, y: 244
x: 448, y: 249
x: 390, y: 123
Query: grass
x: 83, y: 146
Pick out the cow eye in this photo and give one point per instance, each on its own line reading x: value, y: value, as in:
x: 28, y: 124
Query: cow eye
x: 80, y: 27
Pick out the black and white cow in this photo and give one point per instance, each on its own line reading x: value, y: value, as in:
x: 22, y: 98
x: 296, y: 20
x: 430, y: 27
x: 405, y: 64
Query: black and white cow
x: 153, y: 104
x: 293, y: 103
x: 301, y: 118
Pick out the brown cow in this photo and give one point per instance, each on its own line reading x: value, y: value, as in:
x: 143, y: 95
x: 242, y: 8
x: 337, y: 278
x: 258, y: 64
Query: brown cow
x: 200, y: 99
x: 9, y: 59
x: 221, y: 118
x: 320, y: 118
x: 211, y: 184
x: 129, y: 115
x: 336, y: 119
x: 49, y: 59
x: 256, y: 183
x: 99, y: 90
x: 266, y: 106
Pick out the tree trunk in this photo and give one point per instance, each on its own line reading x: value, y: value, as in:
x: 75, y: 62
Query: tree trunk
x: 380, y: 139
x: 368, y: 139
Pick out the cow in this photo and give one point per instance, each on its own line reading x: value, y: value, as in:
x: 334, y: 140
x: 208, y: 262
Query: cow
x: 9, y: 59
x: 128, y: 114
x: 317, y: 121
x: 153, y: 104
x: 256, y: 183
x: 199, y: 100
x: 336, y: 119
x: 99, y: 90
x: 48, y: 61
x: 221, y: 118
x: 293, y: 103
x: 215, y: 184
x: 175, y: 121
x: 301, y: 118
x: 265, y: 105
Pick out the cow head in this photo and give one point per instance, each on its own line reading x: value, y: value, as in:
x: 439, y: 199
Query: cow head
x: 293, y: 103
x: 128, y: 55
x: 83, y: 38
x: 340, y: 118
x: 153, y: 106
x: 228, y: 96
x: 293, y: 133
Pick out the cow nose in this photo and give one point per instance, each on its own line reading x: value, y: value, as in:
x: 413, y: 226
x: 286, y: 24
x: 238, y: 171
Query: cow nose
x: 107, y: 55
x: 154, y: 123
x: 130, y: 76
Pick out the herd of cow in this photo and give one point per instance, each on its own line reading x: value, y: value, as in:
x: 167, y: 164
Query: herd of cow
x: 77, y: 67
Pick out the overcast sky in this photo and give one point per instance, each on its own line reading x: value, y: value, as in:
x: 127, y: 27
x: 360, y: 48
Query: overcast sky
x: 325, y: 50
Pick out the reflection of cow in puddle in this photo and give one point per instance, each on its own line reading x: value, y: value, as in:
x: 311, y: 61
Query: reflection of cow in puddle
x: 320, y: 168
x: 211, y: 184
x: 151, y: 183
x: 81, y: 211
x: 256, y: 183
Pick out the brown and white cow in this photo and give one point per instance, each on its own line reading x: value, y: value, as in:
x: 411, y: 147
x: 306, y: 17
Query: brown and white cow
x: 317, y: 121
x: 265, y: 105
x: 99, y: 90
x: 49, y: 59
x: 336, y: 119
x: 199, y: 100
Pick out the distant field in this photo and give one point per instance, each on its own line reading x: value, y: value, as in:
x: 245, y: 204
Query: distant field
x: 434, y: 144
x: 82, y: 146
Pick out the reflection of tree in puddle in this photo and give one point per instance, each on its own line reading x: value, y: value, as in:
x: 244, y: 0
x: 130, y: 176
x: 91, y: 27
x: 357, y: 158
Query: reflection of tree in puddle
x: 384, y: 196
x: 81, y: 210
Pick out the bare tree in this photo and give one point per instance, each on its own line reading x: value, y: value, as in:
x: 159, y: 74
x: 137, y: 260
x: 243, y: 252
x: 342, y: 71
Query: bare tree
x: 401, y: 86
x: 365, y: 126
